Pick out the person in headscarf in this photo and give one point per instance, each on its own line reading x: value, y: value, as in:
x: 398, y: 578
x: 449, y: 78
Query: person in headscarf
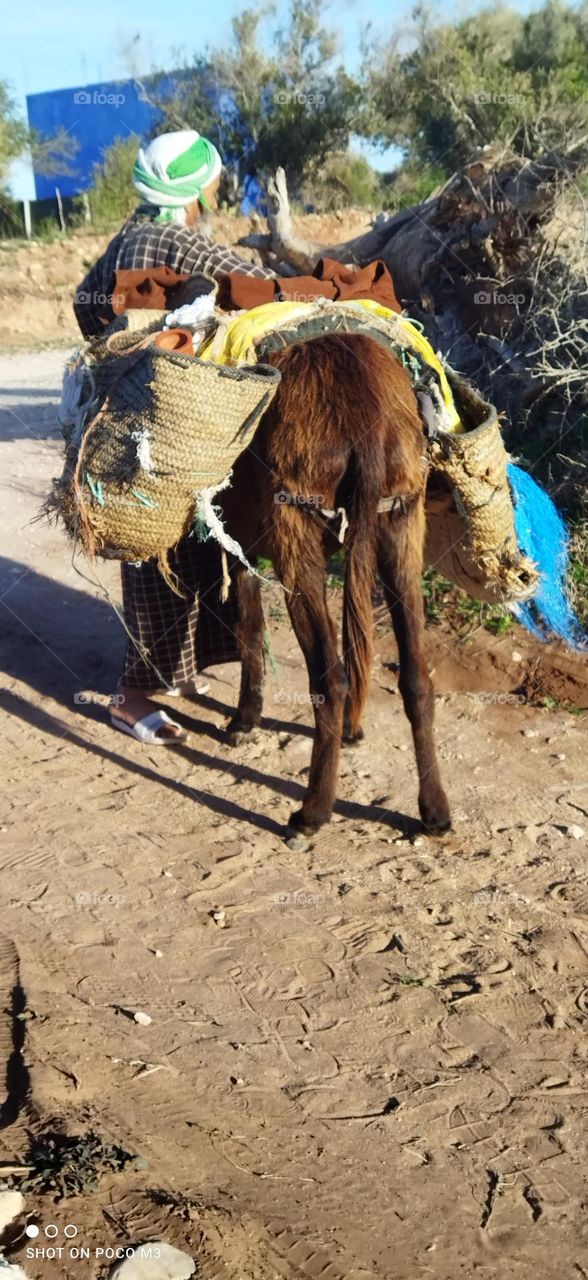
x: 177, y: 175
x: 171, y: 639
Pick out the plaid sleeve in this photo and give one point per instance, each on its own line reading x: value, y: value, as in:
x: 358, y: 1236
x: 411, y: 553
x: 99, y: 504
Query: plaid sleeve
x: 142, y: 245
x: 92, y: 299
x: 184, y: 251
x: 217, y: 260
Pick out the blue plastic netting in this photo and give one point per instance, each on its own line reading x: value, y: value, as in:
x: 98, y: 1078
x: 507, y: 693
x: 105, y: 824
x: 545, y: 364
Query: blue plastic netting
x: 542, y: 535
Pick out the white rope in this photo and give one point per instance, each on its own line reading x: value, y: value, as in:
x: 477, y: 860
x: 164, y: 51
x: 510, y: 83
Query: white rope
x: 211, y: 517
x: 143, y: 442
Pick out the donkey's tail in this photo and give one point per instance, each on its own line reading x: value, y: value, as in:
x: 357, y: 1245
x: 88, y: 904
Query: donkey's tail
x: 386, y: 461
x: 367, y: 465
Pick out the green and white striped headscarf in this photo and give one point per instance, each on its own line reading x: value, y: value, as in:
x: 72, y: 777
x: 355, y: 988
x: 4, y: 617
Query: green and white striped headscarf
x: 173, y: 171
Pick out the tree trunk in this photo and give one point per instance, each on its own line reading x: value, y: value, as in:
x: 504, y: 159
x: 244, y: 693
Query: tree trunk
x: 470, y: 207
x: 464, y: 261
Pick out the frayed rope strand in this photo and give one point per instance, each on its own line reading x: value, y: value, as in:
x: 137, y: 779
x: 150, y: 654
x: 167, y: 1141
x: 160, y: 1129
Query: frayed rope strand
x: 208, y: 524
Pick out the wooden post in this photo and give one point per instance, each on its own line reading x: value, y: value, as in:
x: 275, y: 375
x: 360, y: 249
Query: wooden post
x: 26, y: 209
x: 60, y: 208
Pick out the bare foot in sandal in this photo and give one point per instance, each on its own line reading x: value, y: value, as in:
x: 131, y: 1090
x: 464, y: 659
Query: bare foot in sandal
x: 132, y: 707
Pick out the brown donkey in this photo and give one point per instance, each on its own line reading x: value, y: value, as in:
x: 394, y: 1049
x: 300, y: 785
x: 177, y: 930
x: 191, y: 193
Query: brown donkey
x: 343, y: 431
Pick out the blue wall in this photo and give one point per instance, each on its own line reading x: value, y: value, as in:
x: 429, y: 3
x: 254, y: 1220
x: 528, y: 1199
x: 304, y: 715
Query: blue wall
x: 95, y: 115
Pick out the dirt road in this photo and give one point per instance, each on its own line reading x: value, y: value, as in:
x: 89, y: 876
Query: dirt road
x: 372, y: 1062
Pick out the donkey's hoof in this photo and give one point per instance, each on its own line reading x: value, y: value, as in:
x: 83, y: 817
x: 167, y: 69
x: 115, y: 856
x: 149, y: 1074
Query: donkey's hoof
x: 435, y: 815
x: 350, y: 739
x: 238, y: 732
x: 298, y: 831
x: 296, y: 842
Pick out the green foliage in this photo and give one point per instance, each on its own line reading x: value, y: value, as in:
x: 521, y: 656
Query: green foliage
x: 48, y: 231
x: 51, y: 156
x: 454, y: 87
x: 112, y: 195
x: 411, y: 184
x: 341, y: 181
x: 435, y: 590
x: 286, y: 102
x: 491, y: 78
x: 444, y: 602
x: 13, y: 133
x: 11, y: 218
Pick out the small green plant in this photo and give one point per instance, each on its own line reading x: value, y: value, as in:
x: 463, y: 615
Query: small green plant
x: 435, y: 591
x: 497, y: 621
x: 341, y: 181
x: 112, y: 195
x: 579, y: 568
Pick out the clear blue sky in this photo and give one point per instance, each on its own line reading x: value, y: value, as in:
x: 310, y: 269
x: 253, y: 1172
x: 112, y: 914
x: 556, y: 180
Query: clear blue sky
x: 55, y: 44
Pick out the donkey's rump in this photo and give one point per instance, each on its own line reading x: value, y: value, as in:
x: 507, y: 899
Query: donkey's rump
x: 343, y: 397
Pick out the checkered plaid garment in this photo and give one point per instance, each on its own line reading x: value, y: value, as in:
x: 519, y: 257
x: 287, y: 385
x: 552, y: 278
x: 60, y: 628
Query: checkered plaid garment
x: 142, y: 244
x: 175, y: 637
x: 172, y: 637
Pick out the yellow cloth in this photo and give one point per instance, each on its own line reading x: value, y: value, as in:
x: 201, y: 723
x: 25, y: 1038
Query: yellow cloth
x: 234, y: 343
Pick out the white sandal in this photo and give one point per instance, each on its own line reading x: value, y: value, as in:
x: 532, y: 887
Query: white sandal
x: 145, y: 730
x: 187, y: 691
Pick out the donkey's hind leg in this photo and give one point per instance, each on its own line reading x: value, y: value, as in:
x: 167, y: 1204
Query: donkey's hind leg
x: 300, y: 563
x: 250, y: 630
x: 400, y: 542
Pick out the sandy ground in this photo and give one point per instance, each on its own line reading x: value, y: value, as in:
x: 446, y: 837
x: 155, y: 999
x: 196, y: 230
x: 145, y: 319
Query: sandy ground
x: 374, y: 1063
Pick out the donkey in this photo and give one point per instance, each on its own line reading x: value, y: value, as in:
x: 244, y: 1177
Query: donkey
x: 343, y: 431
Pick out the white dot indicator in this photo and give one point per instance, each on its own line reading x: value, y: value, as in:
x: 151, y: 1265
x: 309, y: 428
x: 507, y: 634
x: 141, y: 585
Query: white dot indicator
x: 31, y: 1230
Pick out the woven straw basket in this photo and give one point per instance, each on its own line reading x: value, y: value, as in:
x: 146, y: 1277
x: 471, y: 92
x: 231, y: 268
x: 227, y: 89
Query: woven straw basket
x: 159, y: 427
x: 471, y: 535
